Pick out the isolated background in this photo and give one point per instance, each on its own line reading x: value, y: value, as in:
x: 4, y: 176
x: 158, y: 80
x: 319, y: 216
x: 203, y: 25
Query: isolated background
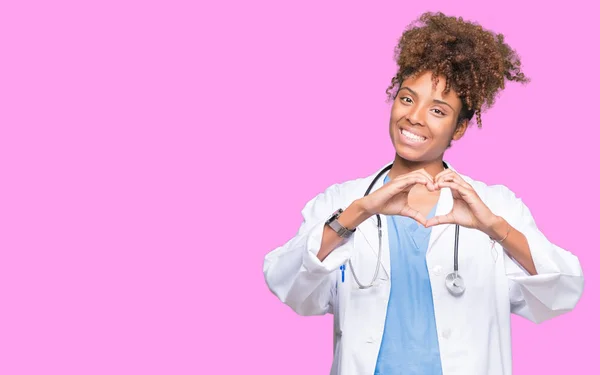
x: 152, y: 152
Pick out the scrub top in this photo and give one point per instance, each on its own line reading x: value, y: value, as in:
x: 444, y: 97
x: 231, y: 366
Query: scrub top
x: 409, y: 344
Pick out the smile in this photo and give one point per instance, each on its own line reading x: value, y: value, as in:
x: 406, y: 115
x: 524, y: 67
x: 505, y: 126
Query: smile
x: 412, y: 136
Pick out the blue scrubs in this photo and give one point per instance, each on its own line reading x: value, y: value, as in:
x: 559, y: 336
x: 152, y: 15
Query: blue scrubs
x: 409, y: 344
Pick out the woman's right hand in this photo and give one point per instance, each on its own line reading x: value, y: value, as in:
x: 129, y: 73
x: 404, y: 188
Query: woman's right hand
x: 392, y: 197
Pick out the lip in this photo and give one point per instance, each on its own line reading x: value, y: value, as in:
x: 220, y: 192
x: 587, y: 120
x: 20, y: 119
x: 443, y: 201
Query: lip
x: 407, y: 140
x: 414, y: 132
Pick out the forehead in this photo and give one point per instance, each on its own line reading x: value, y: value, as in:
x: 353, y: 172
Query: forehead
x: 423, y: 86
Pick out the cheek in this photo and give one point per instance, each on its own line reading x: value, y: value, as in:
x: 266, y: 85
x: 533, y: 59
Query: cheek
x: 398, y: 110
x: 444, y: 131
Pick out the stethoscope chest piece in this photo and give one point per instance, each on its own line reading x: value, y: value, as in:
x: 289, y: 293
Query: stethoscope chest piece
x: 455, y: 284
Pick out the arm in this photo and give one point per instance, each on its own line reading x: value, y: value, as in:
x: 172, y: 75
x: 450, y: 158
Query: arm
x: 544, y: 280
x: 352, y: 217
x: 514, y: 243
x: 301, y: 273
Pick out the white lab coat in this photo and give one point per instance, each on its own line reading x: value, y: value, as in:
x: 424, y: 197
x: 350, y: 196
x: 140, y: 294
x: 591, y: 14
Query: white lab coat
x: 473, y: 329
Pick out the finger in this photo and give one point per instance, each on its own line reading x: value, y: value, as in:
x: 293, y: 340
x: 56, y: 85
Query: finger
x: 465, y: 192
x: 431, y: 184
x: 445, y: 174
x: 421, y: 172
x: 449, y: 172
x: 442, y: 174
x: 459, y: 180
x: 453, y: 177
x: 425, y: 173
x: 411, y: 180
x: 442, y: 219
x: 414, y: 214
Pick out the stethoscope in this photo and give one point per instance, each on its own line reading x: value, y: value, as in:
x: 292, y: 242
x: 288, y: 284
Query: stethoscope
x: 454, y: 282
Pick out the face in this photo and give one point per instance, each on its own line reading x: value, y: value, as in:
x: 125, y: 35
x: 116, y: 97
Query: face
x: 423, y: 120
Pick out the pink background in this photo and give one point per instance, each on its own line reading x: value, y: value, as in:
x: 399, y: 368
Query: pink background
x: 152, y: 152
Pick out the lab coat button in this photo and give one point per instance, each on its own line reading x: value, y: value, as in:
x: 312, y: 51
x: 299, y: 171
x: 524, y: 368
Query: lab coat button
x: 371, y: 340
x: 446, y: 334
x: 437, y: 270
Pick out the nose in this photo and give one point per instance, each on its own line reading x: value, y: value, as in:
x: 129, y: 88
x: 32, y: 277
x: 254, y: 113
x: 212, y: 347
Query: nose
x: 414, y: 117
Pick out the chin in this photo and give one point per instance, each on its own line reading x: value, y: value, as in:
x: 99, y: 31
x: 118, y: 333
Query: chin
x: 408, y: 154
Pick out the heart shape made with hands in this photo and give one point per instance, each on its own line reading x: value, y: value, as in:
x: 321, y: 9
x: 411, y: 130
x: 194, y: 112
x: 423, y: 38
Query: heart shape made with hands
x: 466, y: 209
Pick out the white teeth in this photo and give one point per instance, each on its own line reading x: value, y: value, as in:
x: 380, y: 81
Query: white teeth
x: 412, y: 136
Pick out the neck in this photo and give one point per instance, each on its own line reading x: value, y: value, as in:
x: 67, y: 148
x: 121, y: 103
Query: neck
x: 402, y: 166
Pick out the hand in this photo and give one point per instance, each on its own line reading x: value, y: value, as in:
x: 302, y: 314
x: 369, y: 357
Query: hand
x: 468, y: 210
x: 392, y: 198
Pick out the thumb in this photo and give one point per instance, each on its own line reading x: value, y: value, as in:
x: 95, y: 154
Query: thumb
x: 415, y: 215
x: 442, y: 219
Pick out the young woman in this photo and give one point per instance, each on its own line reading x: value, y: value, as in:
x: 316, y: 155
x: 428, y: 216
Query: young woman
x: 421, y: 265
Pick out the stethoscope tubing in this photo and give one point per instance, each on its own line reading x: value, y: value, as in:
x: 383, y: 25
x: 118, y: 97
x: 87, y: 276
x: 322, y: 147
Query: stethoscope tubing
x: 454, y: 282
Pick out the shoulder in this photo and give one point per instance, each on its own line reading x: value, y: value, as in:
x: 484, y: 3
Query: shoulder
x: 341, y: 194
x: 499, y: 198
x: 495, y: 192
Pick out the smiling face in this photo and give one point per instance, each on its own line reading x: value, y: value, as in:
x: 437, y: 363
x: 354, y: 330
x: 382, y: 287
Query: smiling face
x: 423, y: 121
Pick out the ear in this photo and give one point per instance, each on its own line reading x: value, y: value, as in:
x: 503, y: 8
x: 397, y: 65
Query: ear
x: 461, y: 128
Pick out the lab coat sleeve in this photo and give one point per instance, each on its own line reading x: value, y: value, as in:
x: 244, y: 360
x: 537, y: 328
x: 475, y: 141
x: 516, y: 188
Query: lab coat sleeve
x: 558, y: 285
x: 294, y: 273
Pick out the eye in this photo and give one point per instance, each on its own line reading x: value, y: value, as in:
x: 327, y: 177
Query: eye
x: 439, y: 112
x: 408, y: 100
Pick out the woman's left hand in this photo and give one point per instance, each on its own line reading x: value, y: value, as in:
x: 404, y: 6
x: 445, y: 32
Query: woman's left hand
x: 468, y: 209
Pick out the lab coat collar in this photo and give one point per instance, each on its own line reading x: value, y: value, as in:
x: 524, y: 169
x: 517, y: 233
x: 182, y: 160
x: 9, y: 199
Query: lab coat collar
x: 444, y: 206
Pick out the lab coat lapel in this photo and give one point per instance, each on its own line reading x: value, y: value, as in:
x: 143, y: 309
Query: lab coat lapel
x: 369, y: 228
x: 444, y: 206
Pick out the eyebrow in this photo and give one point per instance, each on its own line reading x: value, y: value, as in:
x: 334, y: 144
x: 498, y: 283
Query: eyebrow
x: 417, y: 95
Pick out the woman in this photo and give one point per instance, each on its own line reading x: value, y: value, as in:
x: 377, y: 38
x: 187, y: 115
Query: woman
x: 428, y: 288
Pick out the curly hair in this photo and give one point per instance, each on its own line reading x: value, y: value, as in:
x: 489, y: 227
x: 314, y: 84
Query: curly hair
x: 474, y: 61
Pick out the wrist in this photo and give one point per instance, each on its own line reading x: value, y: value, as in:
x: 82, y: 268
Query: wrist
x: 354, y: 215
x: 497, y: 228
